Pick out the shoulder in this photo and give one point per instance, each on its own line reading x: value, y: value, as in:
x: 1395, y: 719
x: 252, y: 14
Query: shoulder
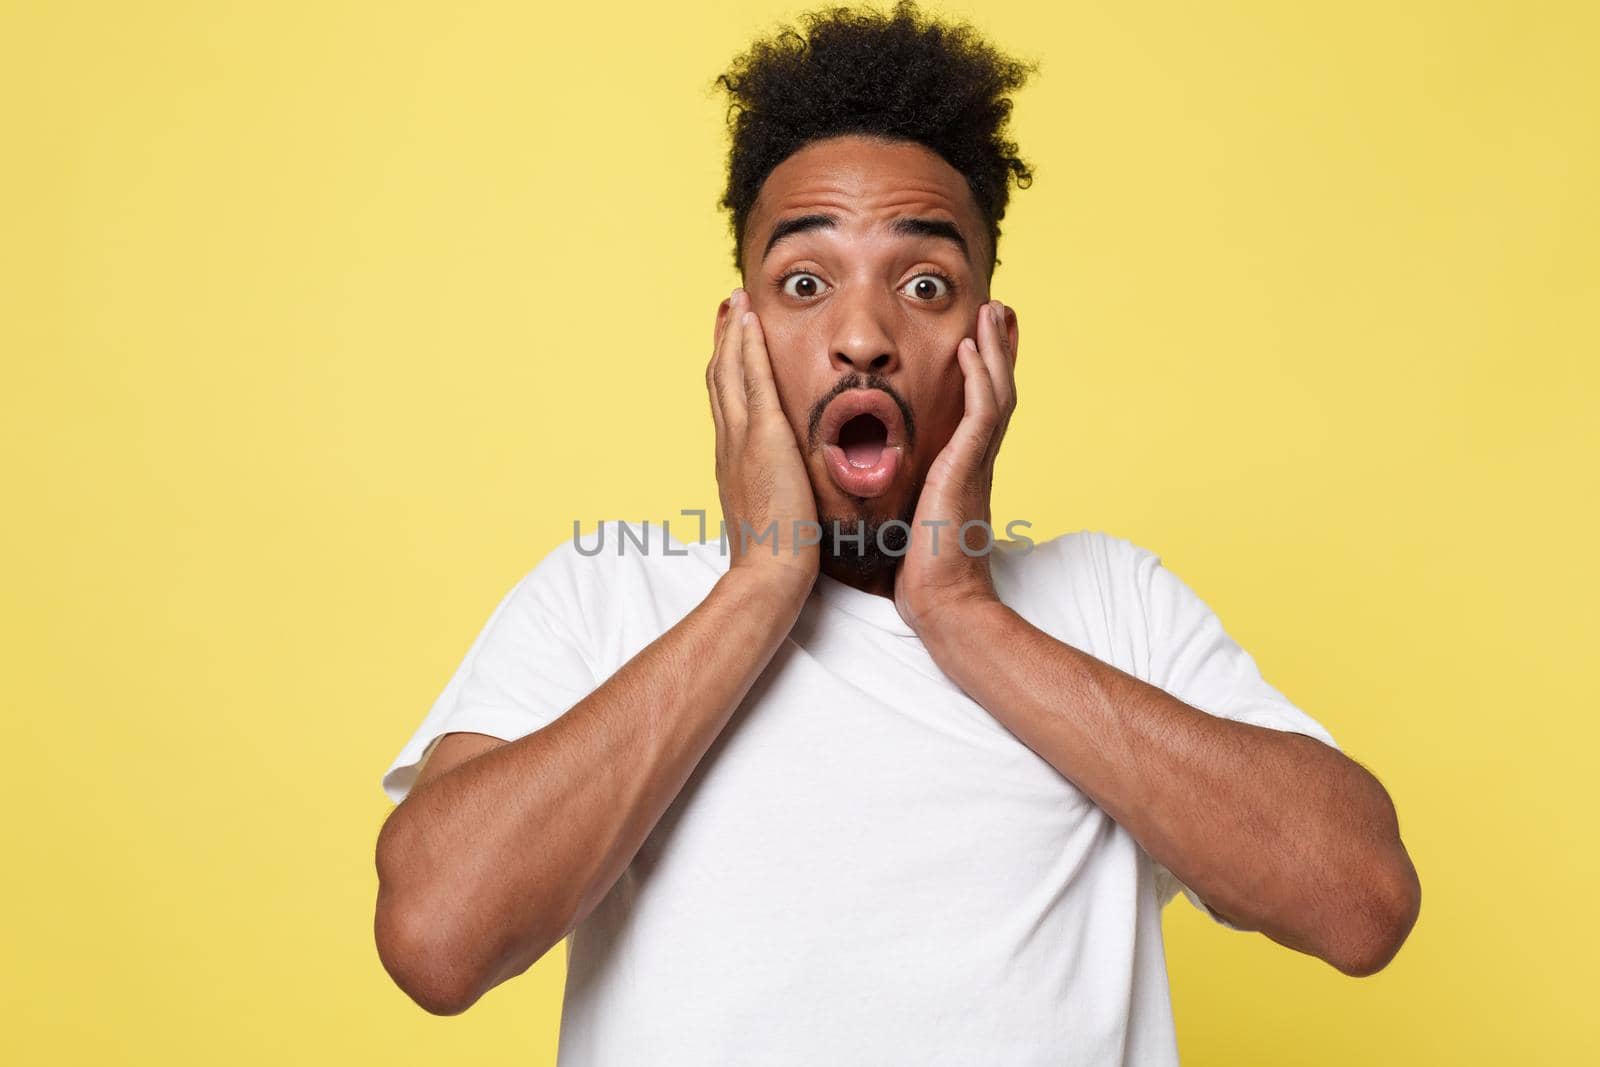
x: 617, y: 562
x: 578, y: 560
x: 1085, y: 588
x: 579, y: 573
x: 1088, y: 554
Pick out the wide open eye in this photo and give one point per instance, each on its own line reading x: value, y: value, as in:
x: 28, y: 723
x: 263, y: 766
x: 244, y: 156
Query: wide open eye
x: 802, y: 285
x: 927, y: 287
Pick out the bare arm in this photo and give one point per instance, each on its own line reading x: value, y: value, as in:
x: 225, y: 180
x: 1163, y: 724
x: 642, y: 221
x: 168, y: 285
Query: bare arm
x: 488, y: 864
x: 502, y: 848
x: 1275, y: 831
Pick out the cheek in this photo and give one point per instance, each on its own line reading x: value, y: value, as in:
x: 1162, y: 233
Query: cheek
x: 948, y: 408
x: 941, y: 399
x: 795, y: 389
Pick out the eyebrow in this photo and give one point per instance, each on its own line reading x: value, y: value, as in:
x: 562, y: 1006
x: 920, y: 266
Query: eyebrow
x: 904, y: 226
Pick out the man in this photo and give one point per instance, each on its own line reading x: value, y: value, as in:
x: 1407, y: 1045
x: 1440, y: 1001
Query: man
x: 869, y: 797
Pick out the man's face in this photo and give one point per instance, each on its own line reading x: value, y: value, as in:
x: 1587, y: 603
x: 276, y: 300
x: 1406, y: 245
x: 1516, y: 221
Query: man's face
x: 862, y: 314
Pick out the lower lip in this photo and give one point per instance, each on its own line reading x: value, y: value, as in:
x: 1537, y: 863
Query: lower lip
x: 862, y: 481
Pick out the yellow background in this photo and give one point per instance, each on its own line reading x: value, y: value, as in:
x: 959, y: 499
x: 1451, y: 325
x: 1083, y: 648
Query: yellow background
x: 321, y: 322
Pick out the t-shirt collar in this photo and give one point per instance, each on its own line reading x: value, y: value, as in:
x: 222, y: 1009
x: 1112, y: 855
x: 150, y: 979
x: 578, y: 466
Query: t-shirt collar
x: 868, y: 607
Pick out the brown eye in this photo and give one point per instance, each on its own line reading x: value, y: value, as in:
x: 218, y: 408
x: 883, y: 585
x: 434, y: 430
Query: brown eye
x: 928, y: 287
x: 802, y: 285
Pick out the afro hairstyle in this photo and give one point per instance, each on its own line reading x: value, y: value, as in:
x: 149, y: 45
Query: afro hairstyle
x: 896, y: 76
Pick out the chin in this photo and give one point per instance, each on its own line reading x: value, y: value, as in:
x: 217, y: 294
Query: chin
x: 883, y: 546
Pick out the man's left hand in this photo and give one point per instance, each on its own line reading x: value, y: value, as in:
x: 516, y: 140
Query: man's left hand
x: 937, y: 581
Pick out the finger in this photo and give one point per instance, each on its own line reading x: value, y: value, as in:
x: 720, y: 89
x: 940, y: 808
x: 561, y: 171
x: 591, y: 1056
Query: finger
x: 735, y: 405
x: 719, y: 325
x: 994, y: 344
x: 963, y: 461
x: 716, y: 408
x: 716, y: 382
x: 1000, y: 358
x: 719, y: 332
x: 760, y: 388
x: 730, y: 364
x: 981, y: 415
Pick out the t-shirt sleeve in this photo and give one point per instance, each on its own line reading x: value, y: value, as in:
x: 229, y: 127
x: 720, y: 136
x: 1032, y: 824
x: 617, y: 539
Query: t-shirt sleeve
x: 527, y: 666
x: 1195, y: 659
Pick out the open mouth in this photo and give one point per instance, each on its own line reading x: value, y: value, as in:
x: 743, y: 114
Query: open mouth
x: 863, y: 437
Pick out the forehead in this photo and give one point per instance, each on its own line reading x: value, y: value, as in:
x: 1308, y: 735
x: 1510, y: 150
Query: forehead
x: 865, y: 182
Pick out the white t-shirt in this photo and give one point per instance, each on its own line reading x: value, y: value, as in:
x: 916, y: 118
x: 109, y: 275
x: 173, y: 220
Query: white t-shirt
x: 866, y: 867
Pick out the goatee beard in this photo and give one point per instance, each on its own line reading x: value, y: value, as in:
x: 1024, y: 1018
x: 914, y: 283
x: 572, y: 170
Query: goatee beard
x: 869, y: 556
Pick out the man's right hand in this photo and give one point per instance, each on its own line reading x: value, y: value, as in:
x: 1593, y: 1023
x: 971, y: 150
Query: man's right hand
x: 761, y: 477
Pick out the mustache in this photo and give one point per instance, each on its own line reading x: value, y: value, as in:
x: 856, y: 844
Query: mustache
x: 854, y: 380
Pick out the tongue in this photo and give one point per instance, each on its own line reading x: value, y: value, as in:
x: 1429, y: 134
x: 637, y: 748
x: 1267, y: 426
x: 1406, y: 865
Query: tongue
x: 863, y: 439
x: 863, y: 453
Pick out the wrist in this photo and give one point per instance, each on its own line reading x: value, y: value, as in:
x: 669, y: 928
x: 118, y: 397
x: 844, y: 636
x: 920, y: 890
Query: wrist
x: 961, y: 621
x: 778, y: 587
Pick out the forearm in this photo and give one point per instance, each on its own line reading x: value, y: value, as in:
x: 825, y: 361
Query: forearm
x: 1276, y: 831
x: 491, y: 864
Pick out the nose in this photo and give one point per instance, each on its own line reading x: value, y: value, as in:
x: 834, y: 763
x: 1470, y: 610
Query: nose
x: 861, y: 340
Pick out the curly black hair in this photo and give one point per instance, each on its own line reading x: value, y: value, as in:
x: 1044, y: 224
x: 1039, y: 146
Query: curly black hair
x: 896, y: 76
